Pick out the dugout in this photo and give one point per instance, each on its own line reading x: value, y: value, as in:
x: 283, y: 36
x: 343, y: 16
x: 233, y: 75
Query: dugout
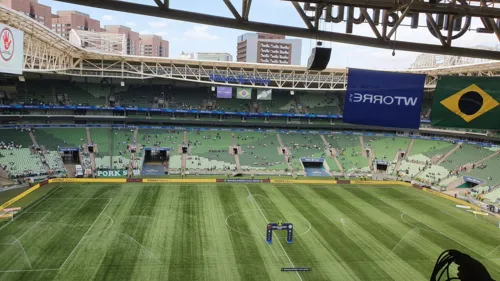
x: 70, y: 155
x: 381, y: 165
x: 470, y: 182
x: 156, y: 155
x: 315, y: 163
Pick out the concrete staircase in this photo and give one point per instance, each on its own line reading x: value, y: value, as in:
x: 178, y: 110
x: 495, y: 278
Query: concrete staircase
x: 442, y: 159
x: 363, y: 149
x: 184, y: 155
x: 334, y: 153
x: 33, y: 139
x: 338, y: 164
x: 488, y: 158
x: 91, y: 155
x: 236, y: 156
x: 132, y: 155
x: 286, y: 154
x: 408, y: 150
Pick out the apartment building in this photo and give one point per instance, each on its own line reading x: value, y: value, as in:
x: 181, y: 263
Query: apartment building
x: 268, y: 48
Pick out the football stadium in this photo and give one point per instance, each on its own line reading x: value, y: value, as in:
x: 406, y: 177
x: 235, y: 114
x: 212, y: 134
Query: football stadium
x: 125, y: 167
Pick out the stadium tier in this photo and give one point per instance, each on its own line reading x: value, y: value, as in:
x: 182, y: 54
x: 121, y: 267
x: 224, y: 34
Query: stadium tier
x: 350, y: 153
x: 211, y: 151
x: 303, y: 146
x: 260, y: 151
x: 56, y: 138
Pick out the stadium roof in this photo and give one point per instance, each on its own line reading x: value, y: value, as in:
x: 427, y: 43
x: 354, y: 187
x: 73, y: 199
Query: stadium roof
x: 47, y: 52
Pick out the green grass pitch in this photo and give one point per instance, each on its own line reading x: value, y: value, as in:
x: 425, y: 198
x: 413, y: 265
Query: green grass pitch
x: 217, y: 232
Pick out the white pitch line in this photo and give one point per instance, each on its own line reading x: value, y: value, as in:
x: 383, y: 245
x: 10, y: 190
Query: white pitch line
x: 98, y: 233
x: 401, y: 240
x: 25, y: 254
x: 28, y: 270
x: 277, y: 238
x: 31, y: 227
x: 432, y: 228
x: 88, y: 230
x: 142, y: 246
x: 31, y: 207
x: 492, y: 251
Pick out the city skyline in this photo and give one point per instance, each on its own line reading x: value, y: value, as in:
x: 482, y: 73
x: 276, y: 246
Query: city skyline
x: 195, y: 38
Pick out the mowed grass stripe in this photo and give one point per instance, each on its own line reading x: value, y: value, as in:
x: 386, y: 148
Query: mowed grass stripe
x: 459, y: 231
x: 349, y: 251
x: 394, y: 219
x: 360, y: 230
x: 398, y: 238
x: 188, y: 262
x: 71, y: 222
x: 308, y: 248
x: 453, y: 235
x: 122, y: 247
x: 219, y: 255
x: 249, y: 260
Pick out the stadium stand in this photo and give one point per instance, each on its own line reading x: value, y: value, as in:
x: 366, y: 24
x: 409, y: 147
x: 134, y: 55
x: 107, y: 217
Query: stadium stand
x: 281, y: 102
x: 18, y: 137
x: 303, y: 145
x: 53, y: 138
x: 260, y: 151
x: 162, y: 138
x: 210, y: 150
x: 410, y: 169
x: 319, y: 103
x: 21, y: 162
x: 428, y: 149
x: 433, y: 174
x: 349, y: 149
x: 386, y: 148
x: 465, y: 154
x: 486, y: 171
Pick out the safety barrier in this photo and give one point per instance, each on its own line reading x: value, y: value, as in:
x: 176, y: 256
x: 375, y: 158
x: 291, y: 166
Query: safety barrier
x: 206, y: 180
x: 19, y: 196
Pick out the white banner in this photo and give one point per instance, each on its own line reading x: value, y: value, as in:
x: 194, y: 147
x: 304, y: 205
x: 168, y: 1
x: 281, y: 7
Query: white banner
x: 263, y: 94
x: 11, y: 50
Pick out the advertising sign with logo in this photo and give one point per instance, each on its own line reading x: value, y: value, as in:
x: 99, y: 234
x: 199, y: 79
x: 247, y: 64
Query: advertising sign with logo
x: 384, y: 99
x: 11, y: 50
x: 115, y: 173
x: 224, y: 92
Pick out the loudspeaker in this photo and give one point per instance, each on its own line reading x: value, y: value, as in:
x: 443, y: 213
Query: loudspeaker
x: 319, y: 58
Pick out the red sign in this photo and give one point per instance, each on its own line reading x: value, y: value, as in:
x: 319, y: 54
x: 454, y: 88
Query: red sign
x: 7, y: 44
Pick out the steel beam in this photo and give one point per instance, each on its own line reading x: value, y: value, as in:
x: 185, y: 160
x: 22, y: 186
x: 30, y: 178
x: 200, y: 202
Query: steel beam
x: 302, y: 15
x: 233, y: 10
x: 159, y: 3
x: 284, y: 30
x: 371, y: 23
x: 247, y: 12
x: 421, y: 7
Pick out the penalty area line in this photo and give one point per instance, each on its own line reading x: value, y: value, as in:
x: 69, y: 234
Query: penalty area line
x: 277, y: 238
x: 88, y: 230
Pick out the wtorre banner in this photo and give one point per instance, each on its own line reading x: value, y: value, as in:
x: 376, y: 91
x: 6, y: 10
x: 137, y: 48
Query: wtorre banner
x: 467, y: 102
x: 384, y: 99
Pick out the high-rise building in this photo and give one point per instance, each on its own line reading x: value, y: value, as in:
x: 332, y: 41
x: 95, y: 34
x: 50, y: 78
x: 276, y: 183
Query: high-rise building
x: 268, y: 48
x: 64, y: 21
x: 32, y: 9
x: 153, y: 46
x: 132, y: 37
x: 215, y: 56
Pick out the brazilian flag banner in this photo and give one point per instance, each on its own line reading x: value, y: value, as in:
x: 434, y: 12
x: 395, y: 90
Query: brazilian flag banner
x: 244, y: 93
x: 467, y: 102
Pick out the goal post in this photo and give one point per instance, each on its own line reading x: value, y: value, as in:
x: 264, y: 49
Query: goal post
x: 8, y: 213
x: 288, y: 227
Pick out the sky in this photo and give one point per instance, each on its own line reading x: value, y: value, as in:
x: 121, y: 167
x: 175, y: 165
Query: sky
x: 193, y: 38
